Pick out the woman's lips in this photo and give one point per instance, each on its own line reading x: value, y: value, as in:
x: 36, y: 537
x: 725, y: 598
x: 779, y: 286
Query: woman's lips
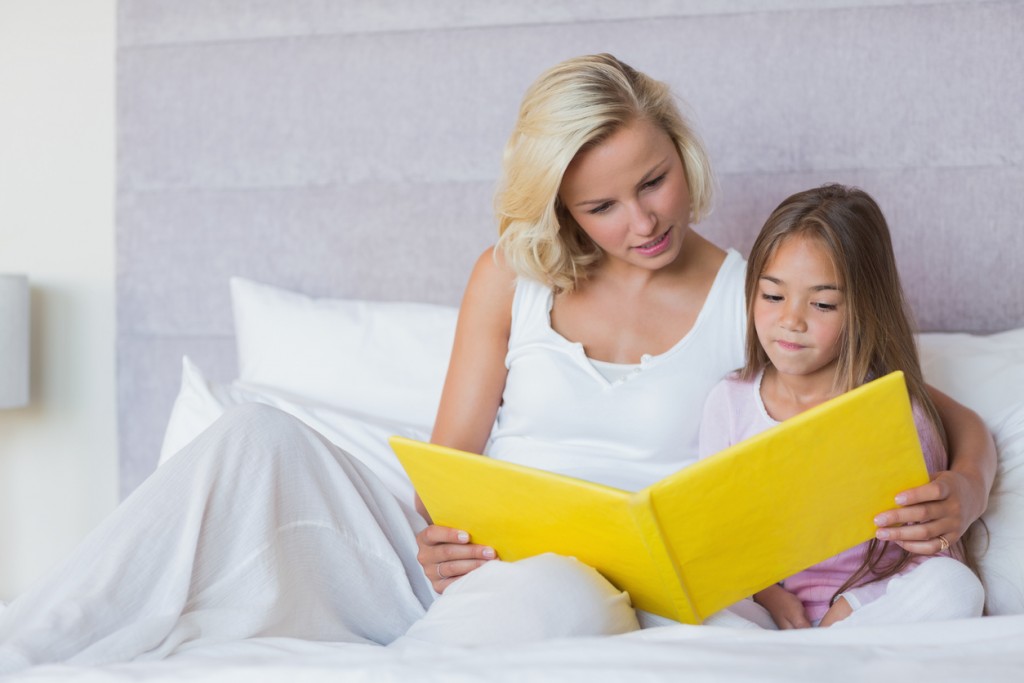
x: 656, y: 246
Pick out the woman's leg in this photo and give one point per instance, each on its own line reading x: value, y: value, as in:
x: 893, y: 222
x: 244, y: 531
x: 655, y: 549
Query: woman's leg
x: 937, y: 589
x: 538, y: 598
x: 259, y: 527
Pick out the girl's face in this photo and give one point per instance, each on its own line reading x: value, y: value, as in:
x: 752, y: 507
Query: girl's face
x: 629, y: 195
x: 799, y: 311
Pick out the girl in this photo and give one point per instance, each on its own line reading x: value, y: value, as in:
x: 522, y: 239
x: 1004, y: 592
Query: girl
x: 825, y: 314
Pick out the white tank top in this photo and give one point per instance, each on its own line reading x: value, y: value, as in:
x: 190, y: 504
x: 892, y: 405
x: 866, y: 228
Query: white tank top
x: 560, y: 413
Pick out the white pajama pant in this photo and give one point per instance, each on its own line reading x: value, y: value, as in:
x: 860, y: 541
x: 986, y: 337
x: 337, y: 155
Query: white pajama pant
x: 262, y: 527
x: 938, y: 589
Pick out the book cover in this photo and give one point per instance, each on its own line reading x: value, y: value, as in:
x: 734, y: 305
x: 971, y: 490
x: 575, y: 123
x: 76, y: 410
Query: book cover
x: 710, y: 534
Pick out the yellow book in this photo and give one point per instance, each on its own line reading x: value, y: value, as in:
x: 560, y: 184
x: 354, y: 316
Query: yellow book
x: 710, y: 534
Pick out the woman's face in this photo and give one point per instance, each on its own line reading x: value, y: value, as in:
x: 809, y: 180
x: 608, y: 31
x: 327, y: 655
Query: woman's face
x: 629, y: 195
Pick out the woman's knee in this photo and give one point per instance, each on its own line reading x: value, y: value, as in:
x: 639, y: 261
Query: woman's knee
x: 538, y: 598
x: 251, y: 432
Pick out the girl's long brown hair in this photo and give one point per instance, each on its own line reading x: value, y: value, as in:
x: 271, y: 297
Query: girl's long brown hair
x: 877, y: 332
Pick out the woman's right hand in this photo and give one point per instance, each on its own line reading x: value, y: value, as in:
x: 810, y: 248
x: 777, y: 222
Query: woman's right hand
x: 446, y: 554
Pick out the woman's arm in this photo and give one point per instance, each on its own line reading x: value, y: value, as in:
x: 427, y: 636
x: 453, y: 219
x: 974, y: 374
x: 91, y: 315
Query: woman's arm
x: 955, y: 498
x: 469, y: 404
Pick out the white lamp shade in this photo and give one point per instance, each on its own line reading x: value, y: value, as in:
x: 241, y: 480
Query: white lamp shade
x: 14, y: 341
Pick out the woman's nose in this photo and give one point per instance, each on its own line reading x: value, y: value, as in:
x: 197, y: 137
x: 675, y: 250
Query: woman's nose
x: 642, y: 220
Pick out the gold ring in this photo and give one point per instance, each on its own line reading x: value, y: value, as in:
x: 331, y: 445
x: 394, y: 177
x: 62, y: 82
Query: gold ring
x: 943, y: 544
x: 437, y: 568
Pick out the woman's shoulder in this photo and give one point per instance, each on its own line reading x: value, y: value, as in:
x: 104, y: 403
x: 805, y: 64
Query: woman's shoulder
x: 491, y: 287
x: 493, y: 273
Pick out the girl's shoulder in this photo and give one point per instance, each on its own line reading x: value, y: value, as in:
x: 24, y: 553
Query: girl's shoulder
x: 732, y: 388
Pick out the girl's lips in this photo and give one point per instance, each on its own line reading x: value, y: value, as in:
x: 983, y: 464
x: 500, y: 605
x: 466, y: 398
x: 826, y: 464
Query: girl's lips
x: 789, y: 346
x: 655, y: 246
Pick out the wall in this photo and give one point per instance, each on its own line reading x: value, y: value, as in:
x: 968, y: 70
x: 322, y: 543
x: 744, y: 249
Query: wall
x: 352, y: 148
x: 58, y: 456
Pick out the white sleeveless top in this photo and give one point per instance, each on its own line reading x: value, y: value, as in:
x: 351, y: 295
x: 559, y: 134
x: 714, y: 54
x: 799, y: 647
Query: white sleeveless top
x: 560, y: 413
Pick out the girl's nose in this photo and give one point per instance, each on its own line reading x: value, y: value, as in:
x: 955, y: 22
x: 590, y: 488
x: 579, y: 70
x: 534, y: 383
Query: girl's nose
x: 792, y: 317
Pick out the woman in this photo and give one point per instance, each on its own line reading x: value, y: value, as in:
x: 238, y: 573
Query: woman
x: 260, y: 527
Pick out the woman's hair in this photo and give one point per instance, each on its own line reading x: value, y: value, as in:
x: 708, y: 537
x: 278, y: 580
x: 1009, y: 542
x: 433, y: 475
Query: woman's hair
x: 574, y: 106
x: 877, y: 335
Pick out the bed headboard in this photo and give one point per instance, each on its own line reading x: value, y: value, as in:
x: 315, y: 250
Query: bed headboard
x: 352, y: 149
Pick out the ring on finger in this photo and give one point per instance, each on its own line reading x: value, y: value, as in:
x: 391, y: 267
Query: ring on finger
x: 943, y: 544
x: 437, y: 568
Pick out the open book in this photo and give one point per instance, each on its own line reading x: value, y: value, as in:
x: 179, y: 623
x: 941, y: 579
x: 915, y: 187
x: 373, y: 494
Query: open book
x: 713, y: 532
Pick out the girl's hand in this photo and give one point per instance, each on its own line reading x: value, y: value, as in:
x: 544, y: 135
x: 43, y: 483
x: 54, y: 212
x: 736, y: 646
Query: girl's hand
x: 941, y: 510
x: 786, y: 609
x: 839, y: 610
x: 446, y: 554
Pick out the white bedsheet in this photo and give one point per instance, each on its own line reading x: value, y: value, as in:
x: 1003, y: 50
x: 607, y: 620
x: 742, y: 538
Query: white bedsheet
x: 990, y: 649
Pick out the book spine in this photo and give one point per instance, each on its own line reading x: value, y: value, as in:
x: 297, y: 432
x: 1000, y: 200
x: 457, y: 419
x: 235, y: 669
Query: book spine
x: 667, y: 568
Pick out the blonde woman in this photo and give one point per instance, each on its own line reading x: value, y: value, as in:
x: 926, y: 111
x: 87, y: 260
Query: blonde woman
x: 596, y: 327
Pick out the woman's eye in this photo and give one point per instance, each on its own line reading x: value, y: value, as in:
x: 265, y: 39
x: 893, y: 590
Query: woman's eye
x: 600, y: 208
x: 655, y: 182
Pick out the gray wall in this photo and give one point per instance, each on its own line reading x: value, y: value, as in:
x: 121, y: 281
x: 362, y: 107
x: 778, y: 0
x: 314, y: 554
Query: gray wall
x: 352, y: 148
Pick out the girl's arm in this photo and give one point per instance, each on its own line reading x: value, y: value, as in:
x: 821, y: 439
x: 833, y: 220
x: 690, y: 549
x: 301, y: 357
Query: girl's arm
x: 955, y: 498
x: 786, y: 609
x: 469, y: 404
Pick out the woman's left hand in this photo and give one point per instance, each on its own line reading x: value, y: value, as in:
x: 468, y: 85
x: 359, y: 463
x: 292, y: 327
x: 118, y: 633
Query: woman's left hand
x: 933, y: 516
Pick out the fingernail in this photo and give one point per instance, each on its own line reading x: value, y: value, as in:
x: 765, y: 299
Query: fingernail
x: 882, y: 534
x: 881, y: 520
x: 489, y: 553
x: 901, y: 499
x: 463, y: 537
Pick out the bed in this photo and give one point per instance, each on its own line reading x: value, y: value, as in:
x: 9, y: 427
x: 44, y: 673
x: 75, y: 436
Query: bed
x: 393, y: 357
x: 302, y: 191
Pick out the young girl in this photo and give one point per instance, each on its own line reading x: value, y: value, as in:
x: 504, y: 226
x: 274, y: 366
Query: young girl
x: 826, y: 313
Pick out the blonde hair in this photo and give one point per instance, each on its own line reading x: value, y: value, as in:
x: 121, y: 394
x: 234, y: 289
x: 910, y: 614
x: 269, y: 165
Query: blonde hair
x: 573, y: 106
x: 877, y: 333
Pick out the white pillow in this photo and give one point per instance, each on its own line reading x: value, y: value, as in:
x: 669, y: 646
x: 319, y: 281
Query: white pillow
x: 200, y: 402
x: 986, y: 373
x: 1001, y: 553
x: 383, y: 359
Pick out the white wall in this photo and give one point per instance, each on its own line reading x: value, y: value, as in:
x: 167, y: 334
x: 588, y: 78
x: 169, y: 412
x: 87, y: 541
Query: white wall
x: 58, y: 456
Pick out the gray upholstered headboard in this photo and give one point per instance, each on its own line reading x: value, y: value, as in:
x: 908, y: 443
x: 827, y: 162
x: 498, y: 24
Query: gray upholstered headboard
x: 351, y: 149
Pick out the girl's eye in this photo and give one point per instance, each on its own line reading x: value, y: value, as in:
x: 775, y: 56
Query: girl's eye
x: 600, y: 208
x: 822, y: 306
x: 774, y: 298
x: 655, y: 182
